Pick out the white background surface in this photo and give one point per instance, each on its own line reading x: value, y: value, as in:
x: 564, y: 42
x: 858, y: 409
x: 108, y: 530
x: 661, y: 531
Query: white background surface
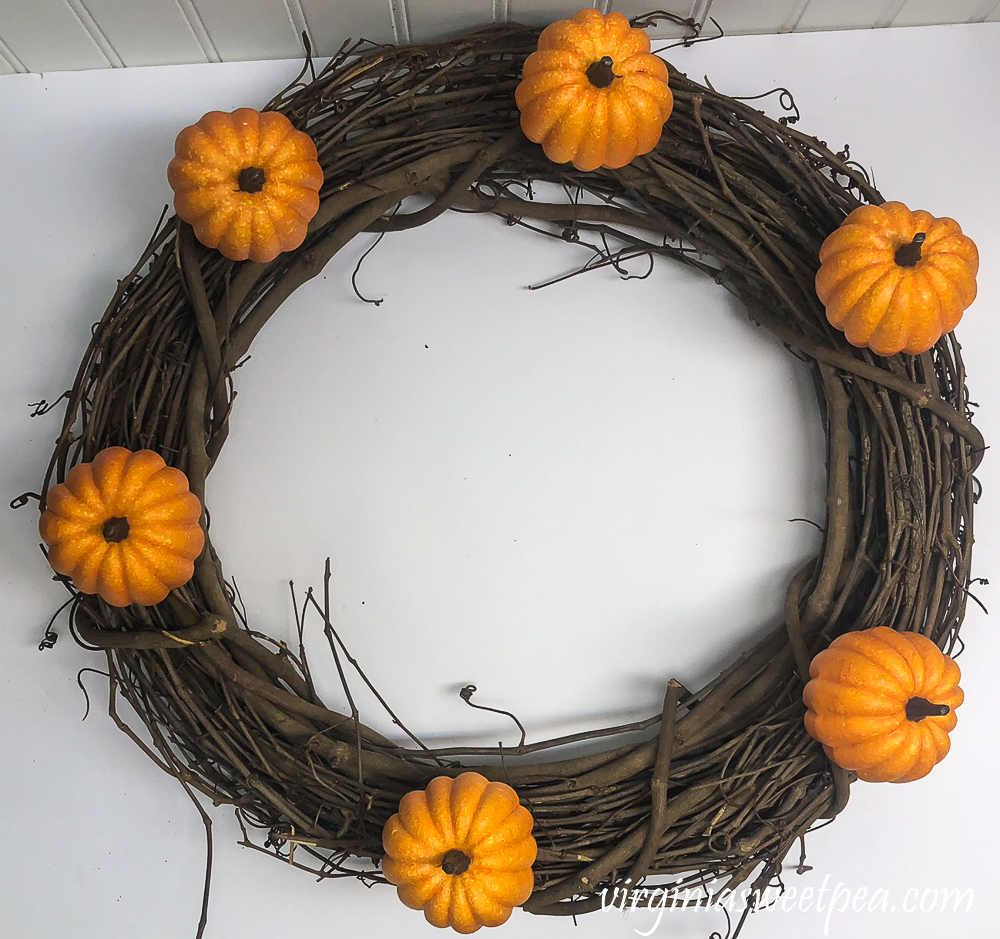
x: 565, y: 496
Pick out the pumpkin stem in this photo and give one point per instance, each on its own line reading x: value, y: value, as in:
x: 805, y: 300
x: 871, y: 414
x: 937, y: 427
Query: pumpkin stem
x: 919, y: 708
x: 601, y: 73
x: 908, y: 255
x: 455, y: 862
x: 115, y: 530
x: 251, y: 179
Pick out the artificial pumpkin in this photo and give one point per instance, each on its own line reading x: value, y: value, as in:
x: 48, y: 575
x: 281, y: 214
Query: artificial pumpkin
x: 247, y: 182
x: 895, y: 280
x: 125, y: 526
x: 592, y: 92
x: 461, y: 850
x: 882, y: 703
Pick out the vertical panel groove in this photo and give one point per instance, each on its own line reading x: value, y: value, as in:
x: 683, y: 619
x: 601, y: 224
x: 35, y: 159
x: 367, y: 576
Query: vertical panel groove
x: 987, y: 9
x: 300, y: 23
x: 699, y: 11
x: 400, y: 19
x: 291, y: 20
x: 889, y: 13
x: 501, y: 11
x: 392, y: 23
x: 794, y: 18
x: 189, y: 11
x: 90, y: 26
x: 8, y: 55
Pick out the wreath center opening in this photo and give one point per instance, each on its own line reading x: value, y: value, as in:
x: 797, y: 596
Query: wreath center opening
x: 497, y: 468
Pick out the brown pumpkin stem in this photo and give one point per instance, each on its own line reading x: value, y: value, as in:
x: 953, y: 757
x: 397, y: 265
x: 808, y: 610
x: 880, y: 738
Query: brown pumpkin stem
x: 919, y: 708
x: 115, y: 530
x: 251, y: 179
x: 908, y: 255
x: 455, y: 862
x: 601, y: 73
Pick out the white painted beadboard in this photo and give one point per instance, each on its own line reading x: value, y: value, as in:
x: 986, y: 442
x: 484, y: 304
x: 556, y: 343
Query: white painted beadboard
x: 64, y: 35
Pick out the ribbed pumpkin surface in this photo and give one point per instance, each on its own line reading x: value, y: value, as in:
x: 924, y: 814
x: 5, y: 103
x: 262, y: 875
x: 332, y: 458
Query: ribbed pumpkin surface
x: 125, y: 526
x: 593, y: 125
x: 889, y: 306
x: 862, y: 689
x: 466, y: 818
x: 247, y: 182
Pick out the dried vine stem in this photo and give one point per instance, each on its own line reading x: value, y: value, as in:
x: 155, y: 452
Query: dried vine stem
x: 730, y: 781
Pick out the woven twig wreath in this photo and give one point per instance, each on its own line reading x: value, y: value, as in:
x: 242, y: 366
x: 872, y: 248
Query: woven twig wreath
x: 729, y: 778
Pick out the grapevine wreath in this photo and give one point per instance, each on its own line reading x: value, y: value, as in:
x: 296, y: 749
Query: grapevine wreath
x: 714, y: 791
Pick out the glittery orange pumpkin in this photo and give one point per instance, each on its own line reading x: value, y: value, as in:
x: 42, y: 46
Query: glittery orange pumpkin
x: 461, y: 850
x: 592, y: 93
x: 247, y: 182
x: 125, y: 527
x: 882, y: 703
x: 895, y: 280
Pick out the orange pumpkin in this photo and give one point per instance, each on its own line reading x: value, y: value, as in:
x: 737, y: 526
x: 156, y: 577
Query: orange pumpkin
x: 125, y: 527
x: 593, y: 93
x: 461, y: 850
x: 882, y: 703
x: 248, y: 183
x: 895, y: 280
